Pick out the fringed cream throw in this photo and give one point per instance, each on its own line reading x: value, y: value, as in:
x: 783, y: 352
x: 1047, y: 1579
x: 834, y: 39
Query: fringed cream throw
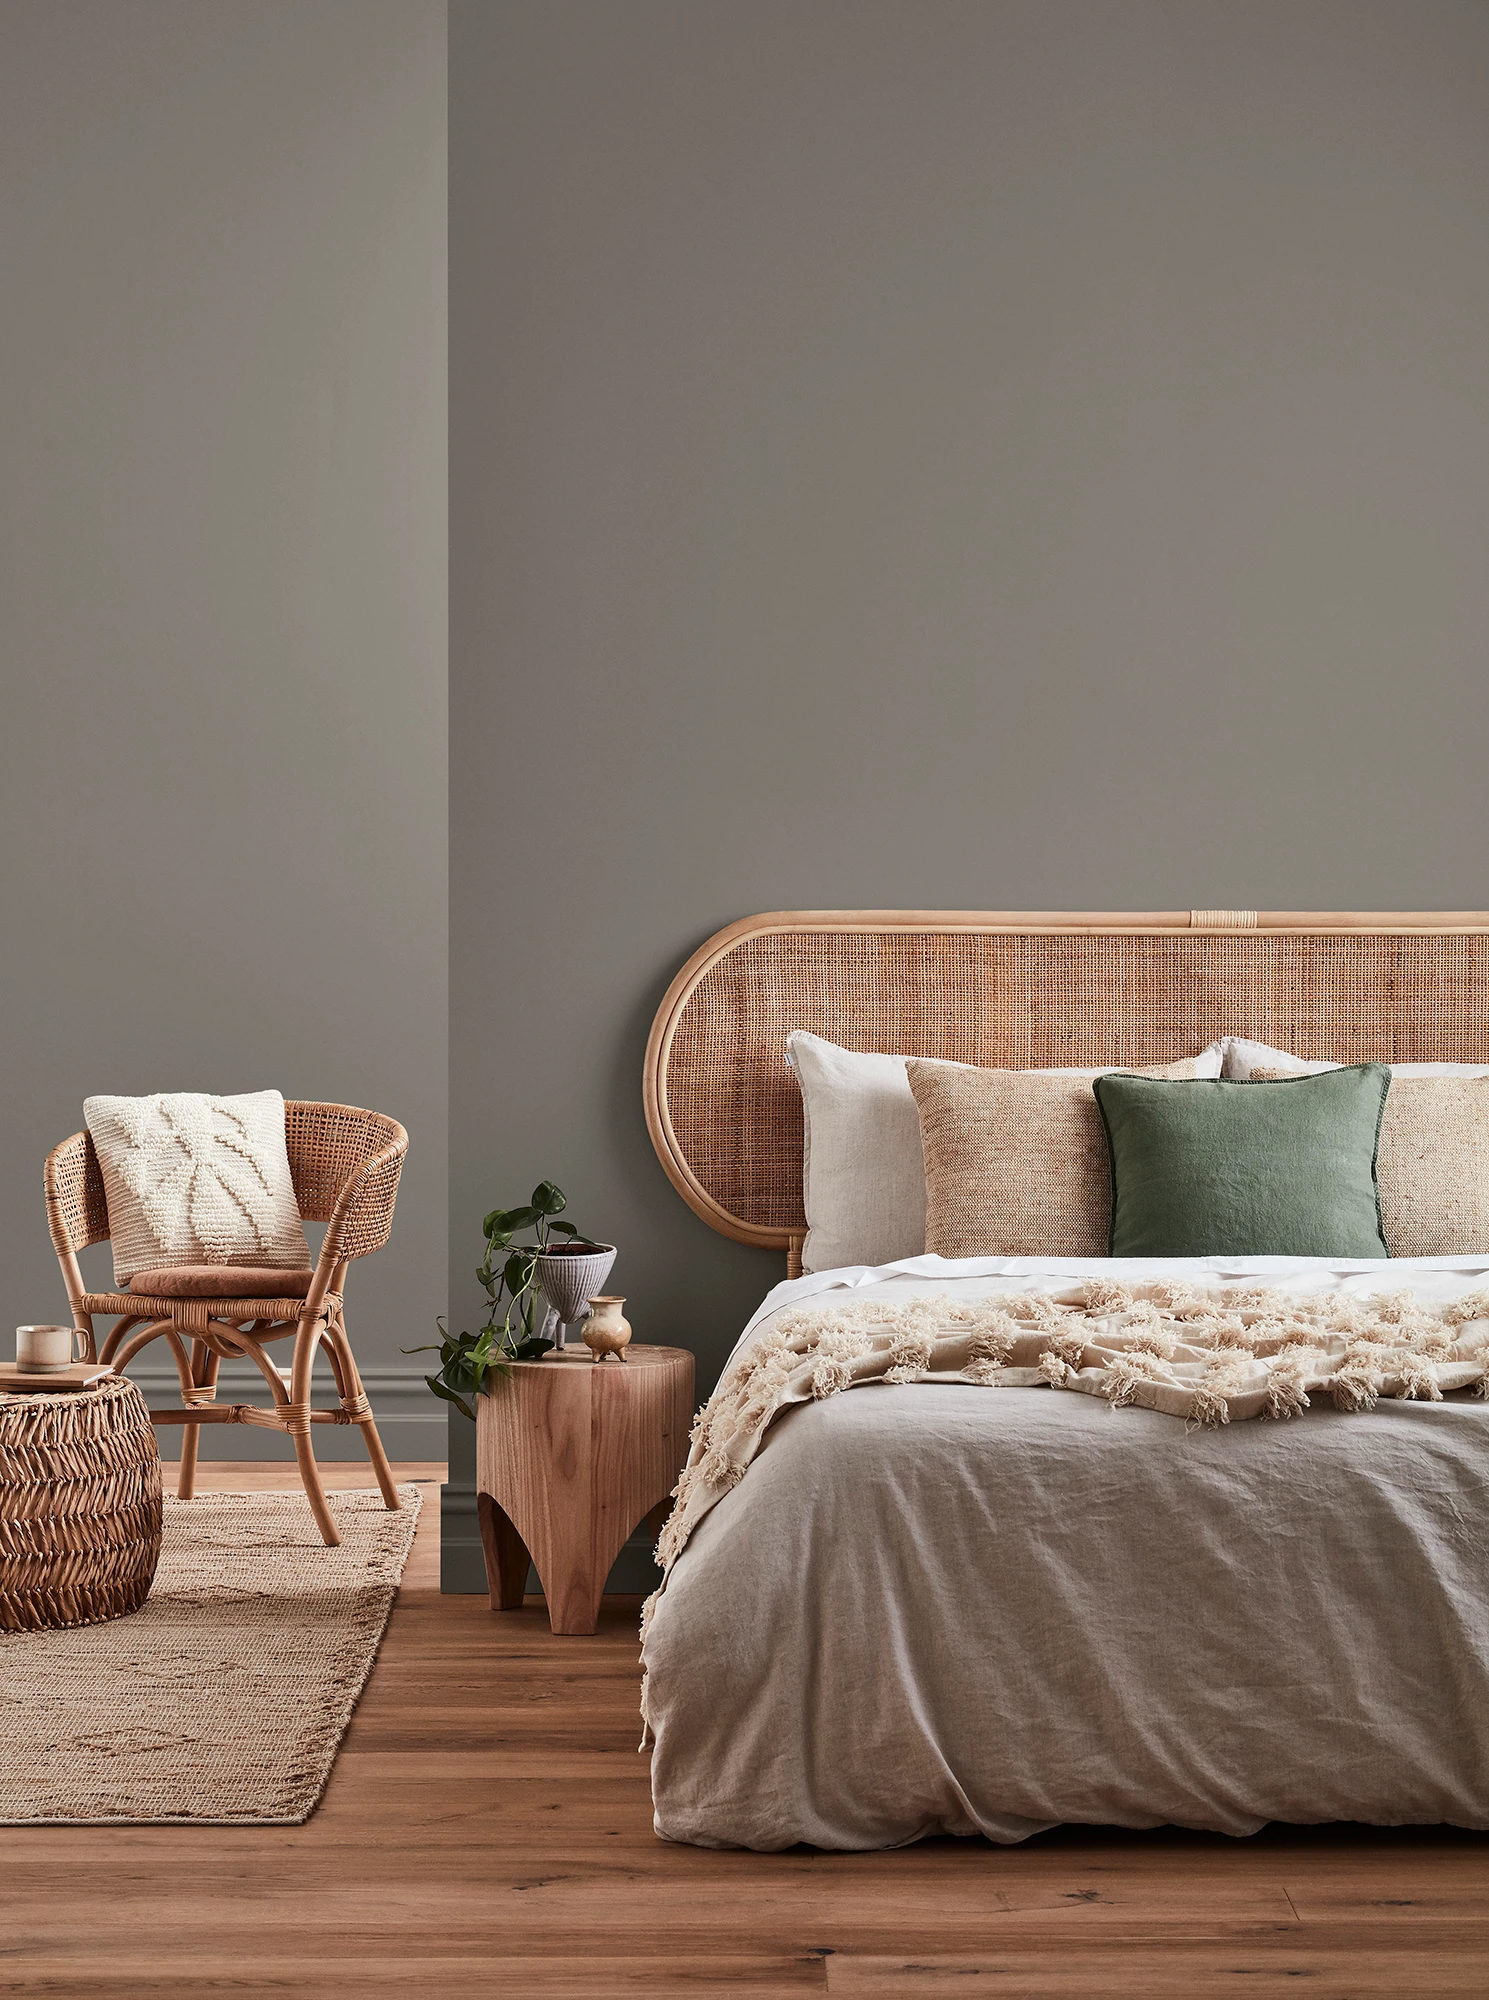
x: 1206, y: 1358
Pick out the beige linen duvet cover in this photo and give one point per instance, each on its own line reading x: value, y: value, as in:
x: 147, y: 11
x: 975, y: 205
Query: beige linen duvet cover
x: 937, y: 1607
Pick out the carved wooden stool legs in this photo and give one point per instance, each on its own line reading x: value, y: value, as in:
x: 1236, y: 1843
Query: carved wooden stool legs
x: 571, y: 1456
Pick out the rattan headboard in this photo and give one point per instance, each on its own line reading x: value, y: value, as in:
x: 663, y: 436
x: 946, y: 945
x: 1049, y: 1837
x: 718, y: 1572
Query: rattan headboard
x: 1025, y: 989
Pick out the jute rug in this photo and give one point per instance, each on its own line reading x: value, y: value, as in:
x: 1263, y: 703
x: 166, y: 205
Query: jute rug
x: 225, y: 1698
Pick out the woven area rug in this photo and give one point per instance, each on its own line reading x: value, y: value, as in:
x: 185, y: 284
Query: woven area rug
x: 225, y: 1698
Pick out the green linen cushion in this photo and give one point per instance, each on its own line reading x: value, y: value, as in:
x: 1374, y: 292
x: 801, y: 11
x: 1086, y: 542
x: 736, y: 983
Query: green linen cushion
x: 1245, y: 1169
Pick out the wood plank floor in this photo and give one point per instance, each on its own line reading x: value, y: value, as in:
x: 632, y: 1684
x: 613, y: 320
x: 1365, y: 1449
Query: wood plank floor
x: 488, y: 1831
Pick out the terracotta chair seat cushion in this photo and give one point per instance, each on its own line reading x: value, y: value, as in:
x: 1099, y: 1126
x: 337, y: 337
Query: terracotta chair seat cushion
x: 220, y: 1281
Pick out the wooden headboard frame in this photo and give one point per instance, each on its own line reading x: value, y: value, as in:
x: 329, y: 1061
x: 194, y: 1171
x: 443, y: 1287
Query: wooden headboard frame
x: 1024, y: 989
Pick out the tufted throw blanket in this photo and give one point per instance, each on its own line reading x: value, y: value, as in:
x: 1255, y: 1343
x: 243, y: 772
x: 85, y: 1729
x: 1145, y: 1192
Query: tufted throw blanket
x: 1204, y: 1357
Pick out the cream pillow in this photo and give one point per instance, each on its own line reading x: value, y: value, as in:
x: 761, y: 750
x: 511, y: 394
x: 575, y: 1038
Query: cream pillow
x: 1432, y: 1162
x: 1016, y: 1161
x: 863, y: 1179
x: 863, y: 1170
x: 193, y: 1179
x: 1241, y: 1058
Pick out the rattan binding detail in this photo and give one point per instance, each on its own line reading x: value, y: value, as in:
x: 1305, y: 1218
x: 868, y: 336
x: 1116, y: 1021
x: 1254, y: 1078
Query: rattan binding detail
x: 1024, y: 990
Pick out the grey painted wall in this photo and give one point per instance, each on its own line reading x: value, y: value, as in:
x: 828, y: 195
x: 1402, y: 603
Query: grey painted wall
x: 222, y: 593
x: 1023, y: 453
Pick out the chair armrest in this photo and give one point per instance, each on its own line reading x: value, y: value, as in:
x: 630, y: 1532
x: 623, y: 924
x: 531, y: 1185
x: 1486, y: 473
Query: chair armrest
x: 362, y: 1219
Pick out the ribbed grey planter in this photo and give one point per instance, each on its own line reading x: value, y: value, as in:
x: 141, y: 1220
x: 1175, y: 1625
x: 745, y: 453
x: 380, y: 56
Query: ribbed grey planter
x: 569, y: 1279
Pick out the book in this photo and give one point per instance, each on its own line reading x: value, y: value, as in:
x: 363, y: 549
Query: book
x: 77, y: 1375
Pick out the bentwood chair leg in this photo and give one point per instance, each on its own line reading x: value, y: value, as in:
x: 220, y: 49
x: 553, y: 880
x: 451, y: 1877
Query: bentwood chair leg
x: 315, y: 1493
x: 380, y: 1464
x: 351, y: 1388
x: 204, y: 1365
x: 306, y: 1342
x: 186, y: 1477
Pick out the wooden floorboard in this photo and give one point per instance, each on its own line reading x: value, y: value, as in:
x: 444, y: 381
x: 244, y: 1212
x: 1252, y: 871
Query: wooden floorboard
x: 487, y: 1831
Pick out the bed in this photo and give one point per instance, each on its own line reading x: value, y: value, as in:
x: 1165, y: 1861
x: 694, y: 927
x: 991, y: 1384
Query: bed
x: 925, y: 1608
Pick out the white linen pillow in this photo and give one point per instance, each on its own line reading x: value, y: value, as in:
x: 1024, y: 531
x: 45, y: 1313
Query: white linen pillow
x: 1240, y: 1057
x: 194, y: 1179
x: 863, y: 1167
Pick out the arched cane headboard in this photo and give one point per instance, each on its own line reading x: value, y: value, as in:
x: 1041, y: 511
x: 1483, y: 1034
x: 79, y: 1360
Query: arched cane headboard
x: 1020, y: 990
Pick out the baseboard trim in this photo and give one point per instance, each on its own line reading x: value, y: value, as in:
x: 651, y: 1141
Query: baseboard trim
x: 410, y: 1421
x: 462, y: 1568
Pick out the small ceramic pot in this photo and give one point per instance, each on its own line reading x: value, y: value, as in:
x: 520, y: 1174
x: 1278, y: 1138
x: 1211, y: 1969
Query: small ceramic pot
x: 568, y: 1277
x: 607, y: 1330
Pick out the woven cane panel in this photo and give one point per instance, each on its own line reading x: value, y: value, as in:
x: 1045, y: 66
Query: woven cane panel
x: 1024, y: 1000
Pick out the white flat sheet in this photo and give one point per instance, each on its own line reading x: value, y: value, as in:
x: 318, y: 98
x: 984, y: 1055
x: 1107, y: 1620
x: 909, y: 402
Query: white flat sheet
x: 935, y: 1608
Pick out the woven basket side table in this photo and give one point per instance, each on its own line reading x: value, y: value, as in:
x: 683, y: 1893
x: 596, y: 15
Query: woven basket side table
x: 571, y: 1455
x: 80, y: 1510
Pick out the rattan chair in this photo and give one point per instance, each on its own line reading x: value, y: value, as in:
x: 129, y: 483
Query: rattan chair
x: 345, y: 1165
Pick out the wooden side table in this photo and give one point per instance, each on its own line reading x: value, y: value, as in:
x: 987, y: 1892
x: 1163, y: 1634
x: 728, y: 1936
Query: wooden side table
x: 571, y: 1454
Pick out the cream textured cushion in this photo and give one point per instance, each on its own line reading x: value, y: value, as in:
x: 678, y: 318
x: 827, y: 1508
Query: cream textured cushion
x: 1432, y: 1163
x: 863, y: 1171
x: 193, y: 1179
x: 1016, y: 1161
x: 1241, y: 1058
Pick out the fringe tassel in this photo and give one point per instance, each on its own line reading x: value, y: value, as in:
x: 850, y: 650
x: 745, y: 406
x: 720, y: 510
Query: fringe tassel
x: 1125, y: 1375
x: 1419, y: 1381
x: 1071, y: 1348
x: 1210, y: 1408
x: 1102, y: 1296
x: 1048, y: 1312
x: 719, y: 1469
x: 1171, y: 1297
x: 671, y: 1542
x: 1355, y: 1387
x: 830, y: 1377
x: 994, y: 1342
x: 1286, y: 1395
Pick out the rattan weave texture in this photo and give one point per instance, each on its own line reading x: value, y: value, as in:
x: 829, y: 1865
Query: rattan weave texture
x: 726, y: 1109
x: 80, y: 1506
x: 345, y: 1165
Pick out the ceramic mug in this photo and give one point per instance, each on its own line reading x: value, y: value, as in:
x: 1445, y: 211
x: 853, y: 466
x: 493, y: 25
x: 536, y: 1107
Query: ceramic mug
x: 45, y: 1349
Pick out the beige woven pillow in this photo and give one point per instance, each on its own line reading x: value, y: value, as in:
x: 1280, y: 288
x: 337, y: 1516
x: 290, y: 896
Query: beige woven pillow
x: 1432, y: 1164
x: 1015, y: 1160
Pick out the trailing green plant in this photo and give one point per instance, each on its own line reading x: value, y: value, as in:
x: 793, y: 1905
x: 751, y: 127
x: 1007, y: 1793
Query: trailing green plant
x: 508, y: 1276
